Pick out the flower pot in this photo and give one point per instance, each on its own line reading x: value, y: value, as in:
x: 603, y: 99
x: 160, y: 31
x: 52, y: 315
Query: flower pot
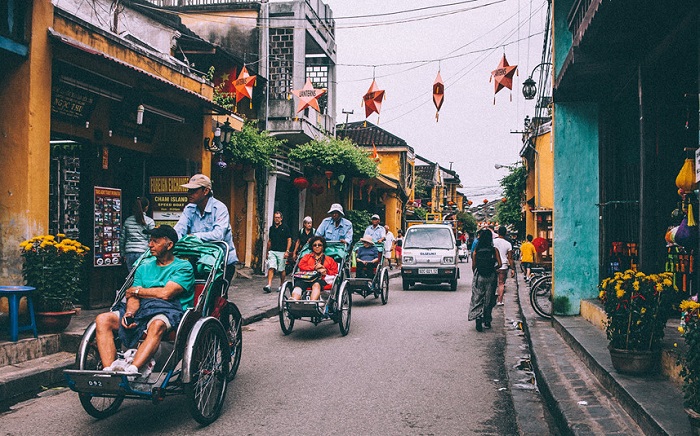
x: 634, y: 362
x: 694, y: 419
x: 53, y: 322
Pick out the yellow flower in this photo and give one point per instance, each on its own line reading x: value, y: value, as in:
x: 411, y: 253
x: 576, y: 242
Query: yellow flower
x: 50, y: 237
x: 639, y: 274
x: 61, y: 235
x: 626, y: 277
x: 28, y: 247
x: 681, y: 329
x: 635, y: 285
x: 667, y: 282
x: 620, y: 293
x: 80, y: 251
x: 659, y: 287
x: 675, y: 344
x: 644, y: 310
x: 601, y: 295
x: 689, y: 305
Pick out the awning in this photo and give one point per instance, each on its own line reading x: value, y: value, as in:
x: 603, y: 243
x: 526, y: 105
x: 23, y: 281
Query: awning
x: 206, y: 103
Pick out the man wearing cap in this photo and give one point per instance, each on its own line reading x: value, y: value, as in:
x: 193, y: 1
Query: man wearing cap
x: 335, y: 227
x: 163, y: 288
x: 375, y: 231
x: 207, y: 218
x: 367, y: 258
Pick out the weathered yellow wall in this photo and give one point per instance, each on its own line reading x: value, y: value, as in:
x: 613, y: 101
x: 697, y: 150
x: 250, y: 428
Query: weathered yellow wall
x: 545, y: 174
x: 24, y: 147
x: 390, y: 164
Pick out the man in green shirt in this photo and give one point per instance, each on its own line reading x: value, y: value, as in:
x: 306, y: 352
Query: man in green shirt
x: 163, y: 289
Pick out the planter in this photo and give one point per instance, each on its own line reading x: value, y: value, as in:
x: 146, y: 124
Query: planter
x: 53, y: 322
x: 635, y: 362
x: 694, y: 419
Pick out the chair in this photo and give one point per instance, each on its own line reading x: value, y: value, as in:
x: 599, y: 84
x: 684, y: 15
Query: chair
x: 13, y: 294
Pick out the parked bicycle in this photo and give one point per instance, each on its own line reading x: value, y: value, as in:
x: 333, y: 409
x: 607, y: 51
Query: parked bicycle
x: 541, y: 292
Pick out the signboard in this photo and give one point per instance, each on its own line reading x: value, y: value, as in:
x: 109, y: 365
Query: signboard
x: 70, y: 103
x: 107, y: 215
x: 168, y: 198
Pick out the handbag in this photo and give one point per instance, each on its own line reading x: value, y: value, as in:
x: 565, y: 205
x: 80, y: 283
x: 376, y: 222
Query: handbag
x: 307, y: 275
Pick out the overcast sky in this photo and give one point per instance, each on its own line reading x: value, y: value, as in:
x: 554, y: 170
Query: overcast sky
x: 472, y: 132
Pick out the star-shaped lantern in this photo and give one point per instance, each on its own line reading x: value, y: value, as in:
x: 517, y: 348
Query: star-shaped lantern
x: 308, y: 96
x: 373, y: 99
x: 244, y: 85
x: 438, y: 95
x: 503, y: 76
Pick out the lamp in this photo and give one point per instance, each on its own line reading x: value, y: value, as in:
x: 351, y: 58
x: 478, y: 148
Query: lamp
x: 139, y: 114
x: 499, y: 166
x: 529, y: 85
x: 222, y: 137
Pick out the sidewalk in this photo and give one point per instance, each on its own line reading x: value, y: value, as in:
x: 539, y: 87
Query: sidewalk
x: 584, y: 392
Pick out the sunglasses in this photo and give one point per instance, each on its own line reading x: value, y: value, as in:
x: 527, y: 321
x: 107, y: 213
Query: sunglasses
x: 193, y: 190
x: 317, y: 245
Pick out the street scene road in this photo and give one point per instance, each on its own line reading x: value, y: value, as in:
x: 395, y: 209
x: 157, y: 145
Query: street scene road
x: 413, y: 366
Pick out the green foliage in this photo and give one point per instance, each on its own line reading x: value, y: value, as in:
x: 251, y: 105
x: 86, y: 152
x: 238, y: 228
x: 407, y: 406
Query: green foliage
x: 467, y: 222
x: 690, y: 327
x: 338, y: 155
x: 514, y: 185
x: 52, y: 265
x: 360, y: 219
x: 421, y: 189
x: 223, y: 99
x: 252, y: 147
x: 419, y: 213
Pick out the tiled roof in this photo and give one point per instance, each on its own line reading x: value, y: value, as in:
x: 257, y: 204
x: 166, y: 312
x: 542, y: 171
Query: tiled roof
x: 365, y: 136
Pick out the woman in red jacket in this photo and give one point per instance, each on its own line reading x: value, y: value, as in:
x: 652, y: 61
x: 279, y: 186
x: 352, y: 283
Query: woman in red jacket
x: 319, y: 262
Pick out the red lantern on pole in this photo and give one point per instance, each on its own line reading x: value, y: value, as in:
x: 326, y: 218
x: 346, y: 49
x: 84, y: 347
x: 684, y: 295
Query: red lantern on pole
x: 329, y: 174
x: 301, y: 183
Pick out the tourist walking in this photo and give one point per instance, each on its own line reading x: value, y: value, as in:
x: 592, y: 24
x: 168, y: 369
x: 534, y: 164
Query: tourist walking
x: 505, y: 249
x: 279, y: 243
x: 485, y: 260
x: 133, y: 241
x: 398, y: 247
x: 527, y: 256
x: 389, y: 246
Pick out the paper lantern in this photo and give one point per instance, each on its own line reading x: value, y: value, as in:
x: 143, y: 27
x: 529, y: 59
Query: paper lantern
x: 301, y: 183
x: 503, y: 76
x: 244, y: 86
x: 308, y: 96
x: 469, y: 203
x: 316, y: 189
x: 329, y: 174
x: 438, y: 95
x: 541, y: 244
x: 485, y: 201
x: 373, y: 99
x: 504, y: 199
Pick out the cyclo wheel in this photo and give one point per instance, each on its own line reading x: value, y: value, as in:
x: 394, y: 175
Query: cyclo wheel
x: 207, y: 363
x: 384, y: 285
x: 88, y: 358
x: 232, y: 321
x: 286, y: 321
x: 541, y: 296
x: 344, y: 309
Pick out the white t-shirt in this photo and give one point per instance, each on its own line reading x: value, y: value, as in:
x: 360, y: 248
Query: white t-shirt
x: 503, y: 248
x: 388, y: 242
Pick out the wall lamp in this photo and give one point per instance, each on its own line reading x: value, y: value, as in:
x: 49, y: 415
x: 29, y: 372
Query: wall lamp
x: 529, y: 85
x: 222, y: 137
x: 499, y: 166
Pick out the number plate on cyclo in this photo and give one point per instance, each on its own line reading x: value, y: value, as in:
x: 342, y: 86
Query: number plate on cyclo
x: 427, y: 271
x: 94, y: 381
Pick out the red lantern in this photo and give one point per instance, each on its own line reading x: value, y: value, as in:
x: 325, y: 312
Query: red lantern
x: 301, y: 183
x: 316, y: 188
x: 430, y: 204
x: 485, y: 201
x: 329, y: 174
x: 541, y: 244
x: 504, y: 199
x: 469, y: 203
x: 450, y: 203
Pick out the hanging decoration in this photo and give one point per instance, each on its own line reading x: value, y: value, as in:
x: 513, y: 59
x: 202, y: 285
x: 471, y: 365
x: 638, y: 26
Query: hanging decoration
x: 301, y: 183
x: 308, y: 96
x: 375, y: 154
x: 503, y: 77
x: 438, y: 95
x: 341, y: 179
x: 541, y: 244
x: 686, y: 176
x: 485, y: 201
x: 372, y: 100
x: 244, y: 86
x: 329, y: 174
x: 316, y: 189
x: 361, y: 183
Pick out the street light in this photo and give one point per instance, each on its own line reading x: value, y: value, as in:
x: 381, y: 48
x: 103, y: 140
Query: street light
x: 529, y: 85
x: 499, y: 166
x: 222, y: 137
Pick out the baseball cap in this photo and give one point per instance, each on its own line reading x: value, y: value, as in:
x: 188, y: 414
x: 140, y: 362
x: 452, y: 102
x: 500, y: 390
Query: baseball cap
x: 164, y: 231
x: 336, y: 207
x: 375, y: 217
x: 198, y: 181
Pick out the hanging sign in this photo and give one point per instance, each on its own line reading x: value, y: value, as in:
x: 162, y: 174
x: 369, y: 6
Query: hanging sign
x: 107, y: 220
x: 168, y: 198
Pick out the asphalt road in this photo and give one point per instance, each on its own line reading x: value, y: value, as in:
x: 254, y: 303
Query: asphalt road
x: 412, y: 367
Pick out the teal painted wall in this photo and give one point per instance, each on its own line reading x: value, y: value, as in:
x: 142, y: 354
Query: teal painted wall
x: 562, y: 36
x: 576, y: 198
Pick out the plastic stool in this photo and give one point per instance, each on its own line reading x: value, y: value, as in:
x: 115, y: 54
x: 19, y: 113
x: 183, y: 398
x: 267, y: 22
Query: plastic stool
x: 13, y: 294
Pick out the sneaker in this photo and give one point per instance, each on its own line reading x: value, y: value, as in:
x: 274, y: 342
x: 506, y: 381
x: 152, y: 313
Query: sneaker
x: 267, y: 289
x: 499, y: 304
x: 148, y: 369
x: 129, y: 355
x: 479, y: 328
x: 117, y: 366
x: 279, y: 289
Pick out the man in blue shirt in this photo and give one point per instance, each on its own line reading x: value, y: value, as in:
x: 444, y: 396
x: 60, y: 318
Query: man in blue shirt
x: 375, y: 231
x: 335, y: 227
x: 207, y: 218
x: 367, y: 258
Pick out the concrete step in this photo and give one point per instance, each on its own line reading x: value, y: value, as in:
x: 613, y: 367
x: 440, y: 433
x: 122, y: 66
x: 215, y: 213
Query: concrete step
x: 27, y: 349
x: 29, y: 376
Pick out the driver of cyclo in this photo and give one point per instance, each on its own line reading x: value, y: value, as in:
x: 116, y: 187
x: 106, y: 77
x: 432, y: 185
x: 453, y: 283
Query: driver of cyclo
x: 162, y: 290
x: 367, y: 258
x: 317, y: 268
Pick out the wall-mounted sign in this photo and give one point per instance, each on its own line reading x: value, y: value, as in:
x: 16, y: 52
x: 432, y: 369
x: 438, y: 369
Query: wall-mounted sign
x: 71, y: 103
x: 168, y: 198
x: 107, y: 214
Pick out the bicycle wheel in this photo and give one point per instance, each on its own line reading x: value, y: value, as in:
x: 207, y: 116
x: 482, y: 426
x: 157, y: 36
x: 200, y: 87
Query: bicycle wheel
x: 232, y: 321
x: 541, y: 296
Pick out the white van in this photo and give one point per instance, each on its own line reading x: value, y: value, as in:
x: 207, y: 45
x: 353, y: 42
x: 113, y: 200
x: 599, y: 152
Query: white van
x: 429, y: 256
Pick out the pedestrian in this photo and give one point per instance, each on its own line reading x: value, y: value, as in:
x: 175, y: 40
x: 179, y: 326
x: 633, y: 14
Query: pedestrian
x: 279, y: 243
x: 505, y: 249
x: 485, y: 260
x: 389, y: 246
x: 527, y: 256
x: 375, y: 231
x: 207, y: 218
x: 398, y: 247
x: 336, y: 227
x: 133, y: 241
x: 305, y: 233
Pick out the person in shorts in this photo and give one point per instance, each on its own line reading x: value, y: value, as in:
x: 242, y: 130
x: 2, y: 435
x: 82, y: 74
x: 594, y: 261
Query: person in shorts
x: 279, y: 245
x: 527, y: 256
x: 505, y: 249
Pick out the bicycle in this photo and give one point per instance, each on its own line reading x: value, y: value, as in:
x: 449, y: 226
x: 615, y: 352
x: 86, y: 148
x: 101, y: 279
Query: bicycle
x: 541, y: 292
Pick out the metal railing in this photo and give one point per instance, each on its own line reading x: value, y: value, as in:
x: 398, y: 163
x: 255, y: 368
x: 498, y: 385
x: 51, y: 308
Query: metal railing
x: 578, y: 12
x: 177, y: 3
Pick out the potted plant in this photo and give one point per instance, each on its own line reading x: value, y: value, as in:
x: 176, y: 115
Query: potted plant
x: 690, y: 328
x: 638, y: 306
x: 52, y: 265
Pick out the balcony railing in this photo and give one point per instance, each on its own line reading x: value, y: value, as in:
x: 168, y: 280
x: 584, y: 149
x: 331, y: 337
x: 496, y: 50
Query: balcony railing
x: 177, y: 3
x: 578, y: 13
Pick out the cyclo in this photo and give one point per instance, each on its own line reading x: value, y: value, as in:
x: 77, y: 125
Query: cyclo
x: 335, y: 302
x: 377, y: 285
x: 198, y: 359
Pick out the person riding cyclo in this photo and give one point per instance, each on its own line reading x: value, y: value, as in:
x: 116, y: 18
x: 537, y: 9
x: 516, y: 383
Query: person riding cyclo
x: 316, y: 268
x: 367, y: 258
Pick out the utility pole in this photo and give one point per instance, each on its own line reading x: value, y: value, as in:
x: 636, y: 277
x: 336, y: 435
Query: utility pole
x: 347, y: 114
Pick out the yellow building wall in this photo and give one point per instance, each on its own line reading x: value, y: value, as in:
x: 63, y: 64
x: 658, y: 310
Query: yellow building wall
x: 24, y: 147
x: 544, y: 176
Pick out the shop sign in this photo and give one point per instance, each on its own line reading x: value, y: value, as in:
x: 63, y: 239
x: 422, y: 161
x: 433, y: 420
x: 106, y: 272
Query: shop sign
x: 71, y: 104
x: 107, y: 215
x: 168, y: 198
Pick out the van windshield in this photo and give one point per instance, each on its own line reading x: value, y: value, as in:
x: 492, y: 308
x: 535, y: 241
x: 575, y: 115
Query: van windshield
x: 428, y: 238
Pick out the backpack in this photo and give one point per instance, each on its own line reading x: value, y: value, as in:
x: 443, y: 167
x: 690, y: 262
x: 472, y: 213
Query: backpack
x: 485, y: 261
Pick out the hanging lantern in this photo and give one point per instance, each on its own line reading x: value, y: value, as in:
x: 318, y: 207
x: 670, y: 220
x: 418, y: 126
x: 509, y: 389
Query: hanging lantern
x: 450, y: 203
x: 373, y: 99
x: 341, y: 179
x: 469, y: 203
x: 308, y: 96
x: 329, y: 174
x: 686, y: 177
x: 244, y: 86
x: 504, y: 199
x: 485, y: 201
x: 541, y: 244
x: 503, y: 77
x: 316, y: 188
x: 438, y: 95
x: 301, y: 183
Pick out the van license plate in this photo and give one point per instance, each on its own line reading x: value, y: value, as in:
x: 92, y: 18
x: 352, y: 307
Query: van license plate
x: 427, y: 271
